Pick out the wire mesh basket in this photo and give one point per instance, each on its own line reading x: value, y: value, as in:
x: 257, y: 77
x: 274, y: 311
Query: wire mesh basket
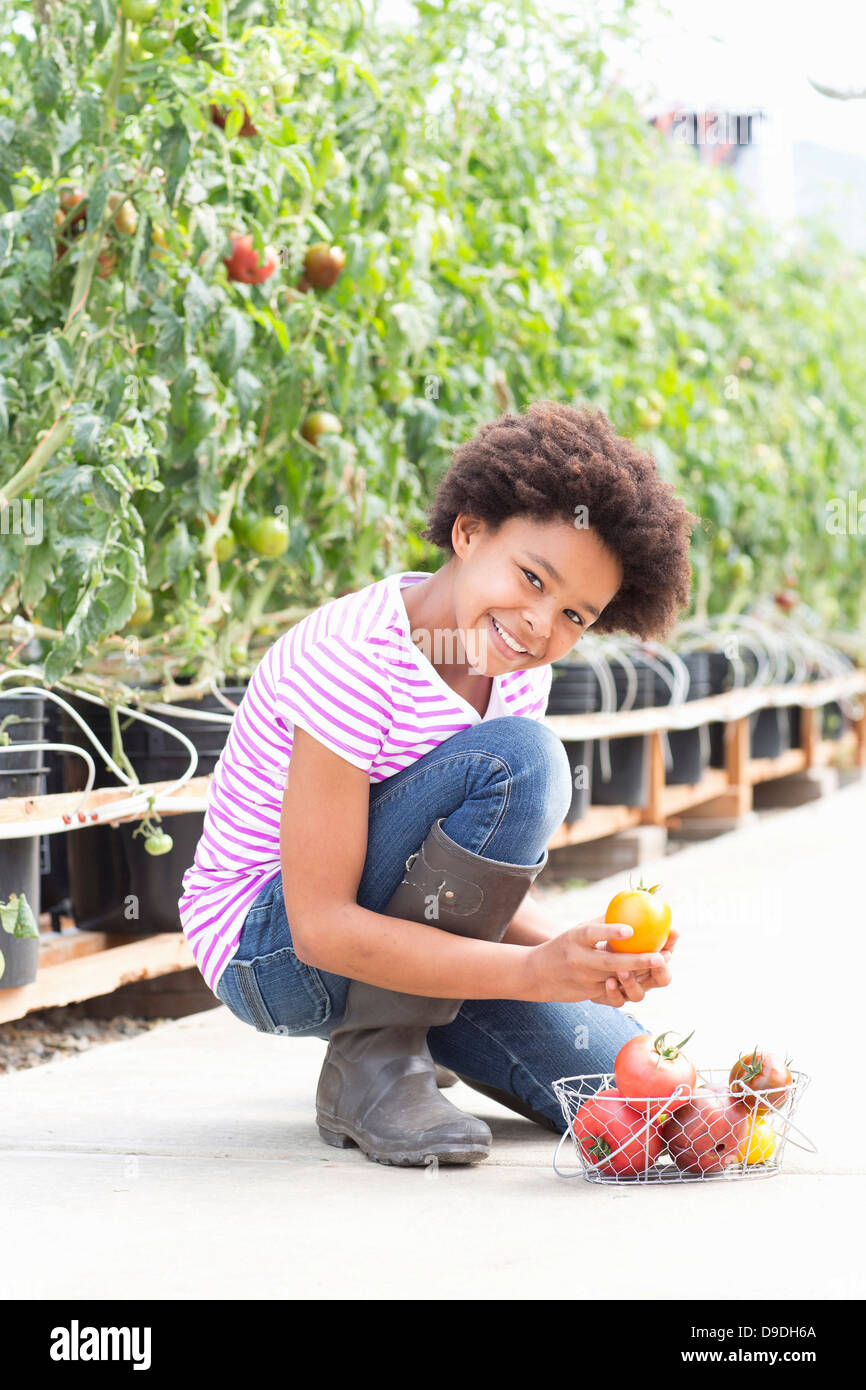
x: 714, y: 1131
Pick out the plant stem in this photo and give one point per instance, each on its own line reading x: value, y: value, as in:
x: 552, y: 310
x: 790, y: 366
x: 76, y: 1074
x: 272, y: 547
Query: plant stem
x: 47, y: 446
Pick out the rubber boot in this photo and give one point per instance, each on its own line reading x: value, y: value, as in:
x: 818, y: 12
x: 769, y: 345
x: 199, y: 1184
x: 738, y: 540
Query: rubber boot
x: 378, y: 1085
x: 512, y: 1102
x: 445, y: 1078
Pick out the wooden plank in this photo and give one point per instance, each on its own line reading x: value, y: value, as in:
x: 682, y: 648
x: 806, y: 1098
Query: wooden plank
x: 680, y: 797
x: 809, y: 735
x: 98, y: 973
x: 731, y: 804
x: 598, y: 821
x: 652, y: 813
x: 737, y: 755
x: 55, y: 948
x: 765, y: 769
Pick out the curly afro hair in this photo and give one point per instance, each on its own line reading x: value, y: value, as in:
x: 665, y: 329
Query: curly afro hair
x: 546, y: 462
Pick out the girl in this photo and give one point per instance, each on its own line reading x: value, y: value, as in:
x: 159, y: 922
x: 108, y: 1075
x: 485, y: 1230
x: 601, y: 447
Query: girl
x: 387, y: 791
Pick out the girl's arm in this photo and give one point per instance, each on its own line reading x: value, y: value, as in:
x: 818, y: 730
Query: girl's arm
x: 323, y: 842
x: 529, y: 926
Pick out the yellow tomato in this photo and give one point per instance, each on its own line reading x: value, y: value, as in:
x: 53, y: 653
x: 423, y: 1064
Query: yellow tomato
x: 648, y: 916
x: 762, y: 1145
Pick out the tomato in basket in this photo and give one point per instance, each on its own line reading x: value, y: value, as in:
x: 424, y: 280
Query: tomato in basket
x: 759, y: 1077
x: 603, y: 1123
x: 645, y: 1068
x: 707, y: 1133
x: 762, y: 1144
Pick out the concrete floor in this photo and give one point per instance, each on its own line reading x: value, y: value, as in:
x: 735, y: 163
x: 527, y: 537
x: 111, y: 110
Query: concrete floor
x: 186, y: 1162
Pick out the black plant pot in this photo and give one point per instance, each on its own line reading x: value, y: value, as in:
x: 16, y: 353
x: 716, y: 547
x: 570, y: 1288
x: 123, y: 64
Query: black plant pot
x: 22, y: 774
x: 690, y: 752
x: 115, y: 885
x: 575, y: 691
x: 721, y: 678
x: 20, y: 960
x: 54, y: 864
x: 832, y: 720
x: 629, y: 756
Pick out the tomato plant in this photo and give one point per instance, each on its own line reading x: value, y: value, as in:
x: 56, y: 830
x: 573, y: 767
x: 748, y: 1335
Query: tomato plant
x: 165, y: 398
x: 645, y: 1068
x: 648, y: 916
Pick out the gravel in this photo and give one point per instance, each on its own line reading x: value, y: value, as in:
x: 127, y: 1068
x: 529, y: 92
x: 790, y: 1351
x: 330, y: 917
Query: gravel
x: 50, y: 1035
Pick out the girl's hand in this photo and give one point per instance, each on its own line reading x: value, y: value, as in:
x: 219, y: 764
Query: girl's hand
x: 628, y: 985
x: 574, y: 965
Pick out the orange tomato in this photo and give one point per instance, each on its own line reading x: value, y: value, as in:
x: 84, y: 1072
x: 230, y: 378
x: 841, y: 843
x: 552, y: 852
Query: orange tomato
x: 648, y: 916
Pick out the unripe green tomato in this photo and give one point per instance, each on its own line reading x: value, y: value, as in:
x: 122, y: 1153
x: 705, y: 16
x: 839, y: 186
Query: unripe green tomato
x: 240, y: 524
x: 225, y: 547
x: 160, y: 843
x: 723, y: 541
x: 648, y: 419
x: 396, y: 385
x: 269, y: 536
x: 139, y: 11
x: 411, y: 180
x: 743, y: 569
x: 143, y: 611
x: 154, y: 40
x: 284, y: 86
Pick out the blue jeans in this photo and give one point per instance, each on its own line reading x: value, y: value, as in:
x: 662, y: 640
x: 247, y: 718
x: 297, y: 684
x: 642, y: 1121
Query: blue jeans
x: 503, y: 787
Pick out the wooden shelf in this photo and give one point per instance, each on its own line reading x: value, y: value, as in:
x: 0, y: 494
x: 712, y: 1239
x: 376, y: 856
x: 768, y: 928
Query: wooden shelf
x: 77, y: 965
x: 75, y: 969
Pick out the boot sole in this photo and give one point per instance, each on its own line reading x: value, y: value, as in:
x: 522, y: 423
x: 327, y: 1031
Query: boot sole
x: 406, y: 1158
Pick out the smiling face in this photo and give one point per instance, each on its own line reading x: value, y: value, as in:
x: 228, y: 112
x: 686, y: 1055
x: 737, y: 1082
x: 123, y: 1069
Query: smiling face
x: 545, y: 583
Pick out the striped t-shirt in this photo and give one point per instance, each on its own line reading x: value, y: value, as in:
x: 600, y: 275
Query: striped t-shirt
x: 350, y: 675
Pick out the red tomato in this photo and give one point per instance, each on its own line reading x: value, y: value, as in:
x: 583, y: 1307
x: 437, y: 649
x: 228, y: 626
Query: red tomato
x: 605, y: 1122
x: 645, y: 1069
x: 761, y: 1076
x: 706, y: 1134
x: 323, y: 265
x: 243, y: 263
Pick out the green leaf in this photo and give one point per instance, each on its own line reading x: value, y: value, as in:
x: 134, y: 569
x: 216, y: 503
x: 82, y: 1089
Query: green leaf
x: 234, y: 121
x: 170, y: 556
x: 26, y: 927
x: 248, y: 390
